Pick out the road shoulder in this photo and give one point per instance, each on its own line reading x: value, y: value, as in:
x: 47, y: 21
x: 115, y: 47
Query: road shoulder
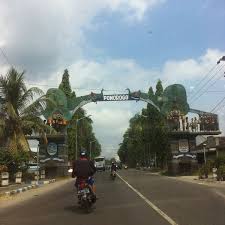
x: 11, y: 200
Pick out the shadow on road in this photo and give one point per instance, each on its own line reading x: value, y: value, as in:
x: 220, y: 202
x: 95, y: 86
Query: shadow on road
x: 77, y: 209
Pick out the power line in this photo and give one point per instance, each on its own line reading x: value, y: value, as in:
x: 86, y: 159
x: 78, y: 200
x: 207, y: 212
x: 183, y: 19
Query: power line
x: 6, y: 57
x: 206, y: 76
x: 210, y: 85
x: 221, y: 107
x: 214, y: 109
x: 205, y: 83
x: 74, y: 88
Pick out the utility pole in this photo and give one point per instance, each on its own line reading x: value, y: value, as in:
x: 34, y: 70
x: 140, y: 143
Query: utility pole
x: 77, y: 133
x: 38, y: 163
x: 91, y: 148
x: 204, y: 145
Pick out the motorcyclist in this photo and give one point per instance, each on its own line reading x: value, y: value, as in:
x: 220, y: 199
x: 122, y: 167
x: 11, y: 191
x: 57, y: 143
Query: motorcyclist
x: 113, y: 167
x: 84, y: 169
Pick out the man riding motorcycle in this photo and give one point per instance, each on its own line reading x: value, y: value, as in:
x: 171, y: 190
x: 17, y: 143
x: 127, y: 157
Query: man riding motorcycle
x: 113, y: 168
x: 84, y: 169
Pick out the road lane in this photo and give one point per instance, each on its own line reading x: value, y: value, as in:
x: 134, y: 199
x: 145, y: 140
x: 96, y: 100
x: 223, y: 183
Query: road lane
x: 117, y: 204
x: 187, y: 203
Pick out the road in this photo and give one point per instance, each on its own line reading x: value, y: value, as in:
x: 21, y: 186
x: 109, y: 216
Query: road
x: 150, y: 200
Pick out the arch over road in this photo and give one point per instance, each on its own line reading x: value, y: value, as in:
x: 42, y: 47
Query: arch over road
x: 174, y: 98
x: 130, y: 96
x: 67, y: 107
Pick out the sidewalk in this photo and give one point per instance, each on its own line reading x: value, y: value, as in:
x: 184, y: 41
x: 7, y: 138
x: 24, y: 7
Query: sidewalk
x: 194, y: 179
x: 19, y: 188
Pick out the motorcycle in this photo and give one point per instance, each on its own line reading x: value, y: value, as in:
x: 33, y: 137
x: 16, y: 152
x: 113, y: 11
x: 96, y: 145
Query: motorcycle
x: 113, y: 175
x: 85, y: 196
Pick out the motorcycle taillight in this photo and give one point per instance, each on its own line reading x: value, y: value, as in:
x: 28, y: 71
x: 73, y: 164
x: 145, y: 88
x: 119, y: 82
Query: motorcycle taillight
x: 82, y: 185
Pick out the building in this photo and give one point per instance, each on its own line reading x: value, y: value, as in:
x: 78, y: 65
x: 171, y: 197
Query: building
x: 185, y: 154
x: 212, y: 146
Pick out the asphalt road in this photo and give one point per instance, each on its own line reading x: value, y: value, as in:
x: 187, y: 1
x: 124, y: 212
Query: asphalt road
x: 150, y: 199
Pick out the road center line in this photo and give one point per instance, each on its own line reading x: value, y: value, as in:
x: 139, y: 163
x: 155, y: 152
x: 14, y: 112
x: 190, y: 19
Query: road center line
x: 159, y: 211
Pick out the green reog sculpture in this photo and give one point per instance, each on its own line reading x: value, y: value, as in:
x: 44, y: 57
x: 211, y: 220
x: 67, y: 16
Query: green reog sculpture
x: 66, y: 106
x: 61, y: 104
x: 175, y: 98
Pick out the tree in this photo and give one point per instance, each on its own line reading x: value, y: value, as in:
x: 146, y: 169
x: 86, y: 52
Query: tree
x: 85, y: 136
x: 159, y: 93
x: 85, y: 131
x: 65, y: 84
x: 66, y: 87
x: 147, y: 135
x: 21, y: 112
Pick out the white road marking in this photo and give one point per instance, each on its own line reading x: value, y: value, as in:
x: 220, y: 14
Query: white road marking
x: 220, y: 194
x: 159, y: 211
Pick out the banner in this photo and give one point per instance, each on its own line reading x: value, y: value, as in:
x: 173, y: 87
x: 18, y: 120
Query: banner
x: 120, y: 97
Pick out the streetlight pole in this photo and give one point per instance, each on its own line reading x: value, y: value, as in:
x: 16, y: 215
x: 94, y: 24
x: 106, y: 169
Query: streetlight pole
x: 204, y: 145
x: 38, y: 163
x: 90, y: 148
x: 77, y: 132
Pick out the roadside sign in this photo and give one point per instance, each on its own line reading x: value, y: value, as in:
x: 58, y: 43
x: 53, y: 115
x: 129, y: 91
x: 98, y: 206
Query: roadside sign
x: 183, y: 145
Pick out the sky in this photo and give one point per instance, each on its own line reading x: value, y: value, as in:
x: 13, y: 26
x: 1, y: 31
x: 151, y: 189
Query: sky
x: 117, y: 44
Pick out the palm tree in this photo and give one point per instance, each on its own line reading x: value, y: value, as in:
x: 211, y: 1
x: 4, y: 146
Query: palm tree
x: 21, y: 113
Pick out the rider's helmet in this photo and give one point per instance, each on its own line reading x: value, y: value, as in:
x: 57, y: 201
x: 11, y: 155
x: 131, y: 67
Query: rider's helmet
x: 83, y: 153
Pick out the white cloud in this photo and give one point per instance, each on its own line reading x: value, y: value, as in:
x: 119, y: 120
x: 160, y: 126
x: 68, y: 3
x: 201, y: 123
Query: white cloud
x: 41, y: 36
x: 189, y: 69
x: 110, y: 122
x: 133, y: 8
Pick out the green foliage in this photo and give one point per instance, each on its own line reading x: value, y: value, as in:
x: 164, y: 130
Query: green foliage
x: 14, y: 161
x: 221, y: 172
x: 219, y: 161
x: 205, y: 170
x: 65, y: 84
x: 27, y: 177
x: 3, y: 168
x: 66, y: 88
x: 159, y: 93
x: 147, y: 136
x: 21, y: 112
x: 85, y: 136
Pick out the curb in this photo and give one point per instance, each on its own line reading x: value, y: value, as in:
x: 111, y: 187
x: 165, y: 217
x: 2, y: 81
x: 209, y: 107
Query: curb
x: 32, y: 186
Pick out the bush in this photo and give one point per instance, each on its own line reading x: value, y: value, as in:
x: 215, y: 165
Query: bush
x: 221, y: 173
x: 13, y: 161
x: 204, y: 171
x: 28, y: 177
x: 3, y: 168
x: 219, y: 161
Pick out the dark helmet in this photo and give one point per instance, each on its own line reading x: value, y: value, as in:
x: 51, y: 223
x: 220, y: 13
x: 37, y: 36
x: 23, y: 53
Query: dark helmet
x: 83, y: 153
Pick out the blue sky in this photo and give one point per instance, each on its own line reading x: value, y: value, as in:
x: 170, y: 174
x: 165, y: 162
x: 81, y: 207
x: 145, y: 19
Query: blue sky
x: 115, y: 44
x: 180, y: 30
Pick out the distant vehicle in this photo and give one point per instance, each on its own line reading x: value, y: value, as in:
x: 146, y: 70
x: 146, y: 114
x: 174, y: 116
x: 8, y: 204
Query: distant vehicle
x: 125, y: 167
x: 119, y: 166
x: 100, y: 163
